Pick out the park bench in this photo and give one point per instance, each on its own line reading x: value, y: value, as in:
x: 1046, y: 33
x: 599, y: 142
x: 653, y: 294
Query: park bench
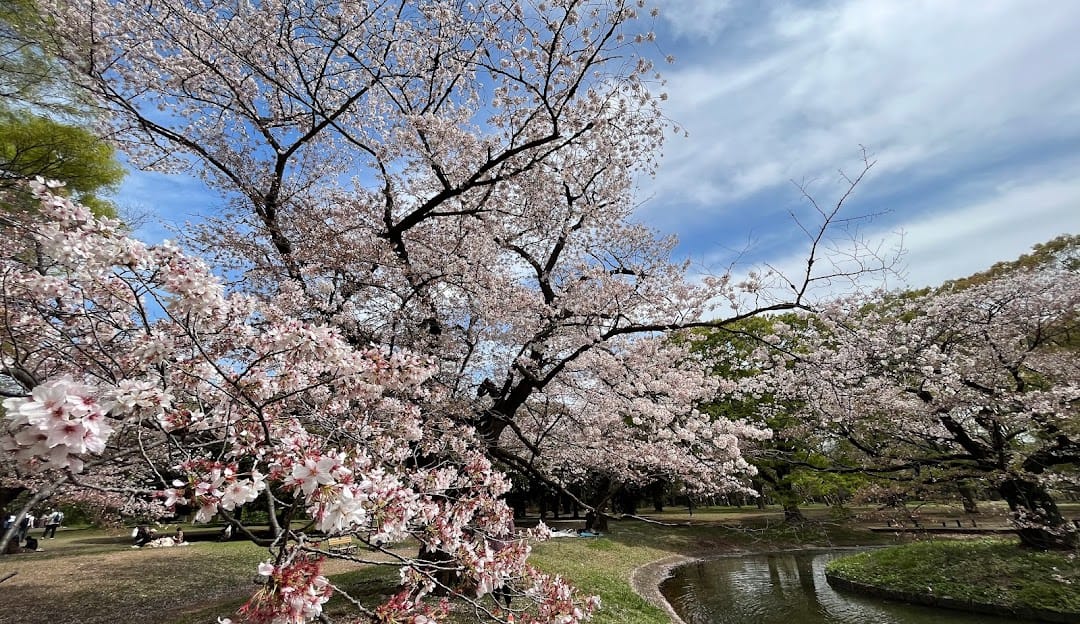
x: 341, y: 544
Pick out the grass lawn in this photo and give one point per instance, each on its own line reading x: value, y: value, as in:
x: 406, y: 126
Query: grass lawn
x: 93, y: 576
x: 985, y: 571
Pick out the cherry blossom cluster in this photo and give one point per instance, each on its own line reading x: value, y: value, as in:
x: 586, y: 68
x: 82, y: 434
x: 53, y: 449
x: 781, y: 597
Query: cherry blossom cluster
x: 632, y: 414
x: 402, y: 609
x: 256, y: 403
x: 57, y: 425
x: 975, y: 380
x: 213, y: 486
x: 294, y: 593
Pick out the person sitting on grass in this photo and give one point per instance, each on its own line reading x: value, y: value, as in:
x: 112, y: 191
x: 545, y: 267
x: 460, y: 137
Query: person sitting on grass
x: 143, y: 535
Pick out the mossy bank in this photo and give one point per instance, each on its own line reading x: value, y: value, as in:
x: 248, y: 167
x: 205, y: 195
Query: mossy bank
x: 985, y: 575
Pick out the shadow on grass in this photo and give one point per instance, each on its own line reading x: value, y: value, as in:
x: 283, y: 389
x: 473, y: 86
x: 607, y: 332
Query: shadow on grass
x: 122, y: 540
x: 372, y: 586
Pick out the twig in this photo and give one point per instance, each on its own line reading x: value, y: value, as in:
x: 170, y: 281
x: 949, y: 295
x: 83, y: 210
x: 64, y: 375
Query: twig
x: 651, y: 521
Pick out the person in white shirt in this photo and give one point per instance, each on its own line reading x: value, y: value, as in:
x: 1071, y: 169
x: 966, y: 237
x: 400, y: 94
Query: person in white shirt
x: 52, y: 523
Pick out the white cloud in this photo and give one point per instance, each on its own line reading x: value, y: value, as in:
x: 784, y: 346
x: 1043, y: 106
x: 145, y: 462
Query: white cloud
x: 927, y: 85
x: 697, y: 18
x: 971, y: 110
x: 967, y: 235
x: 168, y: 201
x: 1004, y: 224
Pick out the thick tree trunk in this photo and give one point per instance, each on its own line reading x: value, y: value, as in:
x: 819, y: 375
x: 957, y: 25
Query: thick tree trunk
x: 603, y: 495
x: 657, y: 489
x: 600, y: 522
x: 778, y: 480
x: 1040, y: 524
x: 759, y: 486
x: 7, y: 540
x: 626, y: 500
x: 792, y: 513
x: 967, y: 497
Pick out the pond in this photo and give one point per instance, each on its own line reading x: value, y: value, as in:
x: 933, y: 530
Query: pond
x: 788, y: 588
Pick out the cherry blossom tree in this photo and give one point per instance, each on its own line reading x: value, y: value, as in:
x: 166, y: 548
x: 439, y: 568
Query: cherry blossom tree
x: 432, y: 273
x: 455, y: 179
x: 628, y: 418
x: 973, y: 380
x: 136, y: 359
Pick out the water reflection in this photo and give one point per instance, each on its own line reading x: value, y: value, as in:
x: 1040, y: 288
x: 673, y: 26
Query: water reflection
x: 788, y: 588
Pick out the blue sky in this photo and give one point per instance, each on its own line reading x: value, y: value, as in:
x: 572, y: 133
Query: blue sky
x: 971, y: 111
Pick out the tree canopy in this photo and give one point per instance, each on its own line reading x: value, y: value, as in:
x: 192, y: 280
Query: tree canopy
x: 44, y: 119
x: 35, y: 146
x: 975, y: 379
x: 434, y: 279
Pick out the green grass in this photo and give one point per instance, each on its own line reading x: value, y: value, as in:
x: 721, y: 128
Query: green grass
x: 987, y: 571
x: 93, y: 576
x: 602, y: 566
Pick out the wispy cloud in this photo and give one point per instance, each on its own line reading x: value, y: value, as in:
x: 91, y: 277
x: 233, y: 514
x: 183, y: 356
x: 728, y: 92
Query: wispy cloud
x: 942, y: 93
x: 1004, y: 224
x: 983, y: 222
x: 972, y: 111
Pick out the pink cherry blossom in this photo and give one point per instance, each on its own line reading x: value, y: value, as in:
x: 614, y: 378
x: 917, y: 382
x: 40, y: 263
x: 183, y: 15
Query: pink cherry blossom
x: 427, y: 268
x: 968, y: 379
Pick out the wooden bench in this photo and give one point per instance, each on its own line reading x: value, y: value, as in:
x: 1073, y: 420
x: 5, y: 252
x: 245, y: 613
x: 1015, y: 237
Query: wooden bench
x: 342, y: 544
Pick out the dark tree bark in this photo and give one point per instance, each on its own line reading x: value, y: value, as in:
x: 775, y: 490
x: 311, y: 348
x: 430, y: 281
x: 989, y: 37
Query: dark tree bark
x: 777, y: 478
x: 792, y: 513
x: 600, y: 525
x: 967, y: 497
x: 656, y: 491
x: 605, y: 490
x: 1041, y: 525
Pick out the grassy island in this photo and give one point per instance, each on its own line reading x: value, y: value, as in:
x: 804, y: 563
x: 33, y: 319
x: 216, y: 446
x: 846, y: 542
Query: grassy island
x: 995, y: 575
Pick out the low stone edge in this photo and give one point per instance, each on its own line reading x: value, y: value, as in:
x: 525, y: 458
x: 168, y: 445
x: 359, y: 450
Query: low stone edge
x: 646, y: 580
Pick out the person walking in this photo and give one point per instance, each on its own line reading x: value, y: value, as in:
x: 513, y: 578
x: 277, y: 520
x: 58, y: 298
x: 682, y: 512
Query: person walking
x: 56, y: 517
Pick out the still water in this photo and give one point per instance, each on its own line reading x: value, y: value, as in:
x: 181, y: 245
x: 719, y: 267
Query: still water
x: 788, y: 588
